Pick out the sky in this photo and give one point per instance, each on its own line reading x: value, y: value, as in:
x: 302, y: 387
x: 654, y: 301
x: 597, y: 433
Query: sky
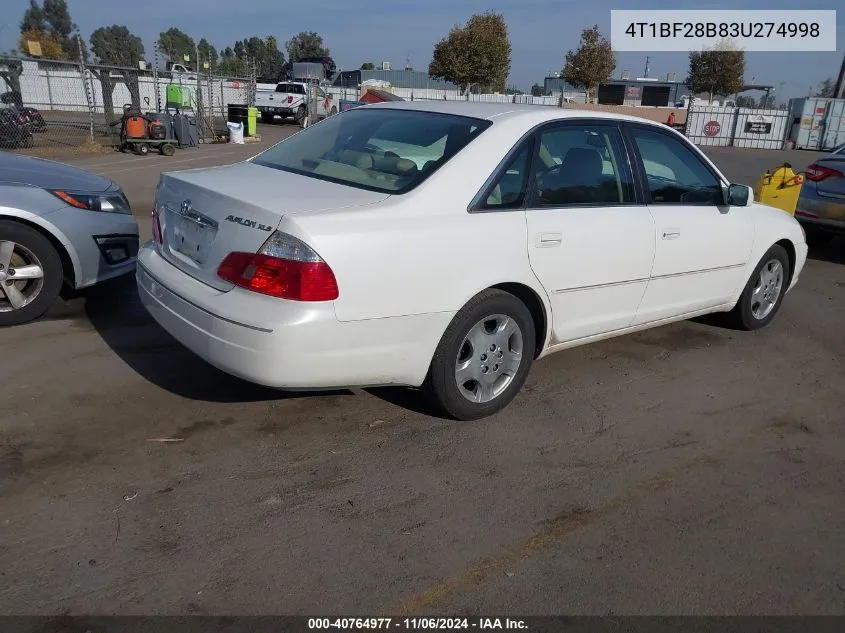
x: 355, y: 31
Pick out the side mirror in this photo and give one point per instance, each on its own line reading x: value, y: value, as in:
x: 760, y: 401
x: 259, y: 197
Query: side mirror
x: 740, y: 196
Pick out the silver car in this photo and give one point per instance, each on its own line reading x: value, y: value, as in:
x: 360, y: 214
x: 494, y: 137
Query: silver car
x: 58, y: 225
x: 821, y: 204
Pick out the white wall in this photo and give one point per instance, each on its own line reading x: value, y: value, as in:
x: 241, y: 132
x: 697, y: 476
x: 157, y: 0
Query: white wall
x: 64, y: 90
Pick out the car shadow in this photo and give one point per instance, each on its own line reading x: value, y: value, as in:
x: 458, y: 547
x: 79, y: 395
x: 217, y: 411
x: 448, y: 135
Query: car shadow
x: 405, y: 398
x: 832, y: 252
x: 114, y: 310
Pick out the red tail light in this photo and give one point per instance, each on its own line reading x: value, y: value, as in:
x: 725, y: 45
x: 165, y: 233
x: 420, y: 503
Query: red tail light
x: 285, y: 267
x: 157, y: 236
x: 817, y: 173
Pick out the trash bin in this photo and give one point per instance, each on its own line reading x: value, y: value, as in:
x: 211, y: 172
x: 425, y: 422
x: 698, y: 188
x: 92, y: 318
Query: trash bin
x: 251, y: 122
x: 237, y: 113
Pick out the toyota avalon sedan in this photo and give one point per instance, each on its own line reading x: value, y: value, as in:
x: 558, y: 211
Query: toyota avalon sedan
x: 447, y: 246
x: 59, y: 225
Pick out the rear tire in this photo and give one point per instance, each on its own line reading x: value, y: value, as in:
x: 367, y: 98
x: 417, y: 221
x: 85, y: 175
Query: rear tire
x: 267, y: 117
x: 483, y: 358
x: 300, y: 116
x: 142, y: 149
x: 763, y: 294
x: 167, y: 149
x: 30, y: 248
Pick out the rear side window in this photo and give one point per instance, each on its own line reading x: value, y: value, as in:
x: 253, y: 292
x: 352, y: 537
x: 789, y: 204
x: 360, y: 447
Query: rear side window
x: 294, y: 89
x: 380, y: 149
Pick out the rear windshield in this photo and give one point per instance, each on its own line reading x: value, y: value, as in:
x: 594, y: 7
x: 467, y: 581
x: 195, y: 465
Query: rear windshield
x: 379, y: 149
x: 295, y: 89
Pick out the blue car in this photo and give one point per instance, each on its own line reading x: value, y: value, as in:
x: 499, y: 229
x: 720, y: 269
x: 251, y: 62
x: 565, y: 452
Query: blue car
x: 821, y: 204
x: 59, y: 225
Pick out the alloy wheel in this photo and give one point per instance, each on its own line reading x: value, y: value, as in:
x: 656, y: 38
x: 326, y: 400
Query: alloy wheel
x: 21, y: 276
x: 489, y: 358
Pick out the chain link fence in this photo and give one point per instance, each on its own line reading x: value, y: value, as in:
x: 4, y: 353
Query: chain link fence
x: 50, y: 106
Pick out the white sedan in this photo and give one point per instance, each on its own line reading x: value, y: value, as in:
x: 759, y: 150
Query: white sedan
x: 449, y: 245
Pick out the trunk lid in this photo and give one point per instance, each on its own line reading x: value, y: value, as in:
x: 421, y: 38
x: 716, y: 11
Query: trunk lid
x: 832, y: 186
x: 205, y: 214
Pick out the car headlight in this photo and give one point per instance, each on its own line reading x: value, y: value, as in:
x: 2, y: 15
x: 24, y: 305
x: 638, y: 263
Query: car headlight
x: 110, y: 202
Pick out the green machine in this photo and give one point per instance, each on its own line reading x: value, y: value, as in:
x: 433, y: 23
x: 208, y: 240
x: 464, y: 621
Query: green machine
x: 178, y: 96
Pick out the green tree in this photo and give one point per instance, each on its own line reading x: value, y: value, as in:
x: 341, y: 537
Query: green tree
x: 116, y: 46
x: 537, y: 90
x: 207, y: 53
x: 230, y: 65
x: 477, y: 54
x: 826, y: 88
x: 61, y: 27
x: 368, y: 66
x: 746, y: 101
x: 33, y: 18
x: 175, y: 44
x: 591, y: 64
x: 264, y: 53
x: 305, y: 44
x: 716, y: 71
x: 50, y: 24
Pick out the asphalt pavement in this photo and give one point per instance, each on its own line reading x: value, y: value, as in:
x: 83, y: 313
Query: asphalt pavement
x: 690, y: 469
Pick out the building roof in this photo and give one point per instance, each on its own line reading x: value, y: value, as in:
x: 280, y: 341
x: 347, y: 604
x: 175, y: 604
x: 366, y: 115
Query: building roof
x: 384, y: 95
x: 396, y: 78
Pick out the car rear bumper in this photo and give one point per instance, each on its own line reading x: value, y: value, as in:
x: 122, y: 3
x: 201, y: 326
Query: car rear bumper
x: 276, y: 110
x: 820, y: 212
x: 285, y: 344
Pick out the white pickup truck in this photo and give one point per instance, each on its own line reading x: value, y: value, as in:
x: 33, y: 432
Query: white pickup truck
x: 290, y: 99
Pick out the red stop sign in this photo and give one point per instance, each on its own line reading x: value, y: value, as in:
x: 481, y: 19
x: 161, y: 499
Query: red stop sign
x: 237, y: 84
x: 712, y: 128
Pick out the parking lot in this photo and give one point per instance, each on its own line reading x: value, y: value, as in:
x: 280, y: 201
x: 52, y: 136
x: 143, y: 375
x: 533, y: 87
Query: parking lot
x: 689, y: 469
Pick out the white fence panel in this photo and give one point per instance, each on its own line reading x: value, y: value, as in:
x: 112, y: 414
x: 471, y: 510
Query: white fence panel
x: 711, y: 125
x: 760, y: 129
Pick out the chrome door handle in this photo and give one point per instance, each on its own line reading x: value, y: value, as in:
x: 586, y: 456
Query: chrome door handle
x: 671, y: 234
x: 545, y: 240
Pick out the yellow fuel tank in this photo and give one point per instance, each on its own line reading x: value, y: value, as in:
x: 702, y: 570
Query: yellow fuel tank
x: 779, y: 188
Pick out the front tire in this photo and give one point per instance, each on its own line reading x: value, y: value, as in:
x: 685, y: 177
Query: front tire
x: 763, y: 294
x: 484, y: 357
x: 31, y: 274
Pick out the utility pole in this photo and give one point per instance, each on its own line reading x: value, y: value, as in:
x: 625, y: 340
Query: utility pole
x: 839, y: 91
x: 647, y: 60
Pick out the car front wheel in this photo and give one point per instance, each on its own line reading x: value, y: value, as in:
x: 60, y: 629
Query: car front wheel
x: 30, y: 274
x: 763, y: 294
x: 483, y: 358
